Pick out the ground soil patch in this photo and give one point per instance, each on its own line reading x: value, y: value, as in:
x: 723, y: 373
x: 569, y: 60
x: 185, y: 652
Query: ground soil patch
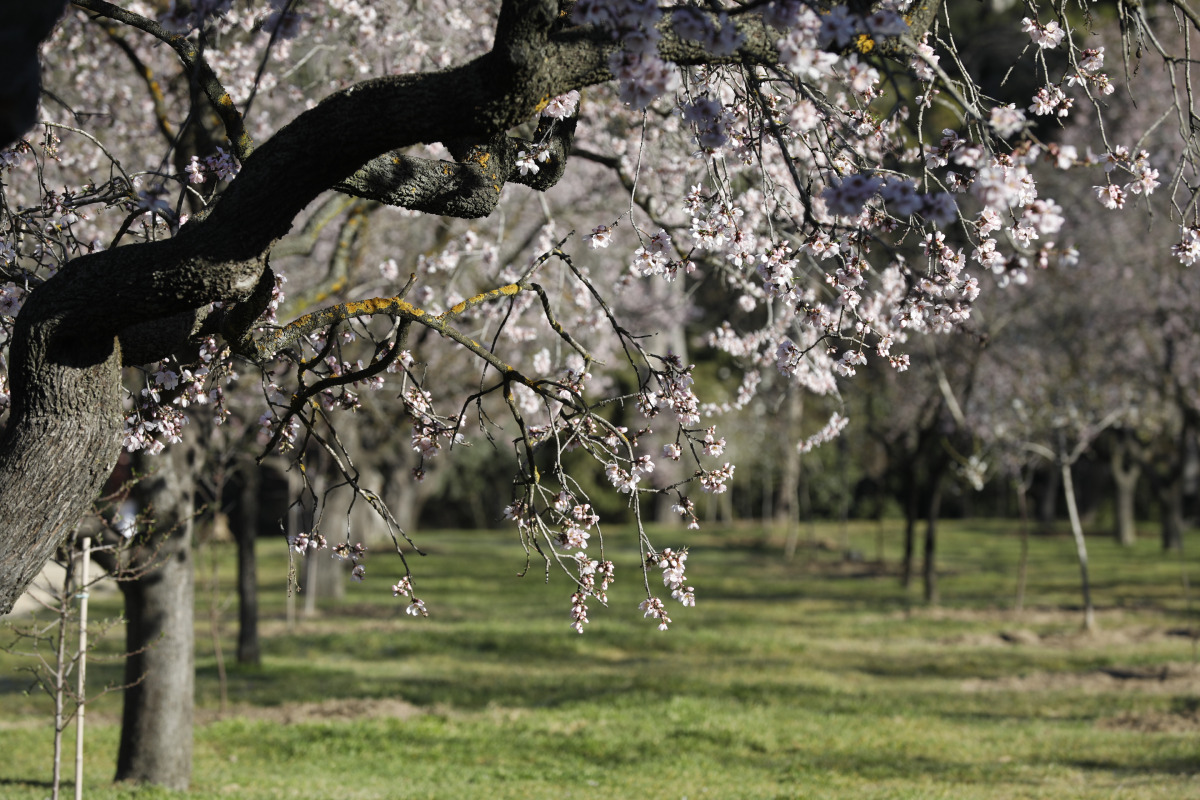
x: 1169, y: 678
x: 333, y: 710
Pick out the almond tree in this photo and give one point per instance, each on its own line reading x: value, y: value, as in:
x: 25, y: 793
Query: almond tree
x: 814, y: 182
x: 820, y: 178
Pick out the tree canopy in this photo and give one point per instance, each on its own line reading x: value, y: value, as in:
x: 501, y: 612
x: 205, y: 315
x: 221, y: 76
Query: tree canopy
x: 815, y: 185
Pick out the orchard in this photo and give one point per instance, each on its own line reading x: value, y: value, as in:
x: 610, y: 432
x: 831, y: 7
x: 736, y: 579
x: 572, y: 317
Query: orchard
x: 370, y: 239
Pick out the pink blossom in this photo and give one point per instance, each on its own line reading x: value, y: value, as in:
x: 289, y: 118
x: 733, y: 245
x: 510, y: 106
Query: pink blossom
x: 1110, y: 195
x: 562, y: 106
x: 1048, y: 36
x: 601, y: 236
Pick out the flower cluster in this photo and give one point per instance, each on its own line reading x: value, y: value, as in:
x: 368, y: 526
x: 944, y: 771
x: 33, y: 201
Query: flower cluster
x: 1091, y: 61
x: 579, y: 616
x: 157, y: 414
x: 222, y: 166
x: 626, y: 481
x: 716, y: 480
x: 11, y: 295
x: 601, y: 236
x: 1046, y: 36
x: 577, y: 524
x: 428, y: 429
x: 589, y: 571
x: 404, y: 588
x: 562, y: 106
x: 527, y: 161
x: 673, y: 564
x: 1051, y: 100
x: 653, y: 258
x: 1188, y: 249
x: 653, y: 608
x: 710, y: 120
x: 302, y: 543
x: 686, y: 509
x: 1007, y: 120
x: 1145, y: 178
x: 355, y: 554
x: 642, y: 74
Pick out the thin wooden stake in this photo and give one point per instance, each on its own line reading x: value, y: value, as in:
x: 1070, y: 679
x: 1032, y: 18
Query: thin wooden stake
x: 81, y: 697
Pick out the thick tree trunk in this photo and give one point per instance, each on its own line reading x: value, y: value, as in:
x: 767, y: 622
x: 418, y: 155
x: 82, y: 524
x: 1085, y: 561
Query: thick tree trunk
x: 156, y: 723
x: 55, y: 454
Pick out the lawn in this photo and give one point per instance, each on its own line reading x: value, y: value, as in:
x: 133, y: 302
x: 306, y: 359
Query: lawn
x: 817, y: 678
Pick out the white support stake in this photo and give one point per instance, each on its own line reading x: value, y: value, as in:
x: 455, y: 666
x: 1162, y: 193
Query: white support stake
x: 83, y: 622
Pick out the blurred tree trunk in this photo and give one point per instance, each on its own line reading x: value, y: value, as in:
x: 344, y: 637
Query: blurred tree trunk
x: 911, y: 513
x: 321, y: 575
x: 930, y: 563
x: 156, y: 722
x: 245, y: 532
x: 1048, y: 501
x: 1089, y: 614
x: 787, y: 510
x: 1167, y: 464
x: 1126, y: 470
x: 1022, y: 487
x: 1170, y: 499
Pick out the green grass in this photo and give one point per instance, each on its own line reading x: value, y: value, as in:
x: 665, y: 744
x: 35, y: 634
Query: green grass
x: 812, y: 678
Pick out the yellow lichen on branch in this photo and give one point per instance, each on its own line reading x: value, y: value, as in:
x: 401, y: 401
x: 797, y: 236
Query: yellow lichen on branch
x: 504, y: 291
x: 381, y: 305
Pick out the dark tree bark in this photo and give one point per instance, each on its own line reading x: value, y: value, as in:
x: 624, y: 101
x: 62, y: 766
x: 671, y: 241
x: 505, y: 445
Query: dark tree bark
x: 156, y: 722
x: 25, y: 25
x: 1170, y: 499
x: 1167, y: 467
x: 929, y: 565
x: 245, y: 533
x: 911, y: 513
x: 1047, y: 507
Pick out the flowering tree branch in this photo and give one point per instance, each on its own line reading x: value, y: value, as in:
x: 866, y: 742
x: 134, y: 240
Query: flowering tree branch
x: 68, y: 348
x: 193, y: 62
x: 468, y: 188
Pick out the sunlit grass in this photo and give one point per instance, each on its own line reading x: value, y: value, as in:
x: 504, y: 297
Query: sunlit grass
x: 819, y: 677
